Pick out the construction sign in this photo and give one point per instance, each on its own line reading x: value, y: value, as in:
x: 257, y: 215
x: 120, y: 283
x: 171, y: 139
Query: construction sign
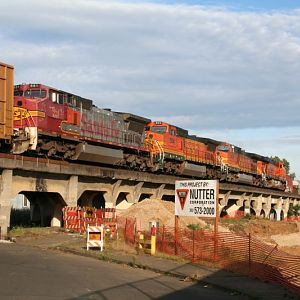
x: 197, y: 198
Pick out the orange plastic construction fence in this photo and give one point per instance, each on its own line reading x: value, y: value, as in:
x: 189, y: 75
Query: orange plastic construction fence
x: 240, y: 253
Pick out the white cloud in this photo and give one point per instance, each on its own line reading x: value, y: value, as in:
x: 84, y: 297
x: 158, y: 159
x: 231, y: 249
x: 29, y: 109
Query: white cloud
x: 200, y: 68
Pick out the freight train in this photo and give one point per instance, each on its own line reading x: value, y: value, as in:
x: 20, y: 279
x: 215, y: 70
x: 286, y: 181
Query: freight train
x: 51, y: 123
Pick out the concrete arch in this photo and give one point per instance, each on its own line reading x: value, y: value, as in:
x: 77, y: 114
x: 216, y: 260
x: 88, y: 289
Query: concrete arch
x: 168, y: 198
x: 273, y: 214
x: 99, y: 200
x: 92, y: 198
x: 230, y: 209
x: 45, y: 208
x: 144, y: 196
x: 122, y: 201
x: 252, y: 212
x: 282, y: 216
x: 223, y: 212
x: 262, y: 214
x: 36, y: 215
x: 94, y: 189
x: 20, y: 212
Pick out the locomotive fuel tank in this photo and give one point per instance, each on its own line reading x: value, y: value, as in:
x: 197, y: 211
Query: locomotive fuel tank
x: 245, y: 178
x: 190, y: 169
x: 91, y: 153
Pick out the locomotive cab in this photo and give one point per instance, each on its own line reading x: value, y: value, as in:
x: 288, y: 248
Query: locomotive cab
x: 27, y: 115
x: 163, y: 140
x: 280, y: 171
x: 40, y: 110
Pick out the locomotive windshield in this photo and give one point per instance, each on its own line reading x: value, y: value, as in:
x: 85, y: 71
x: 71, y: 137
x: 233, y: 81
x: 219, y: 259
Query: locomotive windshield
x: 35, y: 93
x: 223, y: 148
x: 159, y: 129
x: 18, y: 93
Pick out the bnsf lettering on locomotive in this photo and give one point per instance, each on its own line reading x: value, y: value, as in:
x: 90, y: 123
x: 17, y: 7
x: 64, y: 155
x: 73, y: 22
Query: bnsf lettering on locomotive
x: 202, y: 194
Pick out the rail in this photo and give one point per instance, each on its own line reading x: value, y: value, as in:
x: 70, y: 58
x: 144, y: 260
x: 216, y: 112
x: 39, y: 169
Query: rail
x: 38, y: 164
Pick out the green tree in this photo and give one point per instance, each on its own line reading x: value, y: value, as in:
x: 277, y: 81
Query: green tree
x: 293, y: 175
x: 294, y: 210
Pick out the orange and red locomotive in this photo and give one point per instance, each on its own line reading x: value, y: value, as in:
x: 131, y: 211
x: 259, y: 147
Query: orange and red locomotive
x: 57, y: 124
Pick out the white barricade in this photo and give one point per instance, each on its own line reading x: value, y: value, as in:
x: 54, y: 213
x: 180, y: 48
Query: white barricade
x: 95, y: 237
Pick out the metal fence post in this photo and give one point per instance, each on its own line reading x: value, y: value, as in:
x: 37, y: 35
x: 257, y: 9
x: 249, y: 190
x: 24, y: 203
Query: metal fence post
x: 193, y: 258
x: 176, y: 235
x: 249, y: 270
x: 134, y: 238
x: 125, y: 231
x: 163, y: 239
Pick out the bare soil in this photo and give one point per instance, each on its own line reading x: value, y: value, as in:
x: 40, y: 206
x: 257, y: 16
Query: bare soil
x: 285, y: 234
x: 161, y: 211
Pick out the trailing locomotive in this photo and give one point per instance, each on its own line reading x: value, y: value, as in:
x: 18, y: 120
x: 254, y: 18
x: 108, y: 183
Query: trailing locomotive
x: 181, y: 153
x: 56, y: 124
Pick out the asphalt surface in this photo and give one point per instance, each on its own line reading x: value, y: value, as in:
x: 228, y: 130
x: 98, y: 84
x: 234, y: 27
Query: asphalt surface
x: 28, y: 272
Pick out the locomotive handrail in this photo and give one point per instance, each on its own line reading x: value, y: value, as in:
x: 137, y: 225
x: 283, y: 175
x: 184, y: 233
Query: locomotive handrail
x: 161, y: 152
x: 31, y: 118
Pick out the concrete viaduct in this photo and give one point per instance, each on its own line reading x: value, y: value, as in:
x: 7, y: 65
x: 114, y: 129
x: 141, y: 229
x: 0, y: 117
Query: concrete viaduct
x: 51, y: 185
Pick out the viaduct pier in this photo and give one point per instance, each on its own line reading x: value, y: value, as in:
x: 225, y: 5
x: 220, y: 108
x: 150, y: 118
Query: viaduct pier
x: 50, y: 185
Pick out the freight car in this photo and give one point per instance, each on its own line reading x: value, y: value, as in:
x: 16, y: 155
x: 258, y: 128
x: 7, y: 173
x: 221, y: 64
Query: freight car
x: 56, y: 124
x: 6, y: 103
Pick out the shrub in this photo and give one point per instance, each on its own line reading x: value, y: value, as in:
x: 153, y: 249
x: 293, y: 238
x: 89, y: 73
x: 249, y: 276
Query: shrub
x: 194, y: 226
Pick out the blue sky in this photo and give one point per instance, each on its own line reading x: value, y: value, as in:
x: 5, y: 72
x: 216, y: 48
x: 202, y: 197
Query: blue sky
x: 231, y: 74
x: 237, y: 4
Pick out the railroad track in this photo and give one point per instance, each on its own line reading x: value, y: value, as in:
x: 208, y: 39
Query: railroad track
x: 32, y: 163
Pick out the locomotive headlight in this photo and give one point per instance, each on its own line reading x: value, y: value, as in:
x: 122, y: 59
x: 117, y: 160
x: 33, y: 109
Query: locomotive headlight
x: 34, y: 85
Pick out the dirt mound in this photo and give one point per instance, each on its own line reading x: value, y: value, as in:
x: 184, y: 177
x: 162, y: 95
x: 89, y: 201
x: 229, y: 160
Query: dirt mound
x: 285, y: 234
x: 161, y: 211
x: 264, y: 228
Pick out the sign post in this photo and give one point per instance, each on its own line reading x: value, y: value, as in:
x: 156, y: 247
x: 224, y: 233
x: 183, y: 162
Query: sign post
x: 198, y: 198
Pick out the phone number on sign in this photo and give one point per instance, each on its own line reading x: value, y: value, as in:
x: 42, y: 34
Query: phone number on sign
x: 204, y: 210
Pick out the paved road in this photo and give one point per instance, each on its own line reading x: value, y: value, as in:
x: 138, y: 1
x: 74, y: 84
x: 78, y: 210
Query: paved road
x: 31, y: 273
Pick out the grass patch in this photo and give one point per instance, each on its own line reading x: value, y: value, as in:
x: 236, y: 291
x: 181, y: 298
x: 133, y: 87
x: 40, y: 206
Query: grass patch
x: 242, y: 220
x: 20, y: 231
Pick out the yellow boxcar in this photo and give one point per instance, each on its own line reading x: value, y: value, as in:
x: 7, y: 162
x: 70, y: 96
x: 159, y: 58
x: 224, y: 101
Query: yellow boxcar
x: 6, y: 101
